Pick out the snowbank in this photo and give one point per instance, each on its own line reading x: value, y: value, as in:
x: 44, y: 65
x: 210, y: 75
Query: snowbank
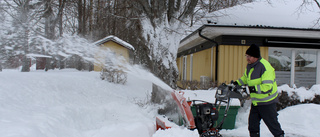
x: 71, y: 103
x: 302, y: 93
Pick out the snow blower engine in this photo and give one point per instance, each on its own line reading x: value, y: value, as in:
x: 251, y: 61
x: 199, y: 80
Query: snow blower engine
x: 207, y: 114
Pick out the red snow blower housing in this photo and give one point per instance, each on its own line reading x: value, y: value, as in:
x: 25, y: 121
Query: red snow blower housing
x: 204, y: 115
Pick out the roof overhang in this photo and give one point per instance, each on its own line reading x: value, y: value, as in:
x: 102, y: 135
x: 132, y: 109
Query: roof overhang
x: 213, y: 31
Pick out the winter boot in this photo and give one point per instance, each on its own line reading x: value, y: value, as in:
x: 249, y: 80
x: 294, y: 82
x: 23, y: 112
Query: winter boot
x: 254, y: 134
x: 282, y: 135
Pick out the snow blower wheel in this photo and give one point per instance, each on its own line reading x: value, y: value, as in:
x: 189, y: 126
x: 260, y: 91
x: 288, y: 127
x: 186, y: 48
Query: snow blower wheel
x: 211, y: 134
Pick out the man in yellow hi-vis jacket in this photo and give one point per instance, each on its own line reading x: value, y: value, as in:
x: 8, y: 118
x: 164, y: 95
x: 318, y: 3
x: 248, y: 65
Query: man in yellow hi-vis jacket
x: 260, y: 78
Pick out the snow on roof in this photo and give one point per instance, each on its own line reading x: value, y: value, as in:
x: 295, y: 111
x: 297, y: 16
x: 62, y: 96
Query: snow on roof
x: 308, y: 57
x: 311, y: 65
x: 37, y: 55
x: 270, y: 13
x: 260, y: 18
x: 114, y: 39
x: 283, y: 60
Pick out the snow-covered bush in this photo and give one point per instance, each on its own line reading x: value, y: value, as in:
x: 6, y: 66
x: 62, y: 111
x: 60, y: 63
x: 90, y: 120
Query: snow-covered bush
x: 113, y: 75
x: 291, y: 96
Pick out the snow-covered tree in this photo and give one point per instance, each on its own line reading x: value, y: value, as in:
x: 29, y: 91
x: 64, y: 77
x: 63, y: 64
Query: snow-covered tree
x: 164, y: 23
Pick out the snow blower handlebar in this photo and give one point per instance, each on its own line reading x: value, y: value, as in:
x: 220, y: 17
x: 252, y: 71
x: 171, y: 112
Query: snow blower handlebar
x: 225, y: 93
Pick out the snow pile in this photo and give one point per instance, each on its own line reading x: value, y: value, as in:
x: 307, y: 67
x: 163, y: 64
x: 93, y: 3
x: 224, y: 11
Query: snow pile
x: 302, y: 93
x: 79, y: 104
x: 72, y: 103
x: 176, y: 132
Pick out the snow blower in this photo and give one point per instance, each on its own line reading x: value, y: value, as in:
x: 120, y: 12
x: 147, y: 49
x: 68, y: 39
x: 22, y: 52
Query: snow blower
x: 207, y: 113
x: 204, y: 115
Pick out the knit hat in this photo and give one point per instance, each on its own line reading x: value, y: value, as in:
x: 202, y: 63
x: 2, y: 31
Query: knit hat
x: 253, y: 51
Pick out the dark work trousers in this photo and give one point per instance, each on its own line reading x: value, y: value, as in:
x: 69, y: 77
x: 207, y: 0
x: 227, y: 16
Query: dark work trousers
x: 269, y: 114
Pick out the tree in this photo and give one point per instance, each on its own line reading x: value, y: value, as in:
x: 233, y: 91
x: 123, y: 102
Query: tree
x: 149, y: 25
x: 26, y: 23
x: 154, y: 27
x: 52, y: 20
x: 22, y: 24
x: 306, y: 4
x: 163, y: 25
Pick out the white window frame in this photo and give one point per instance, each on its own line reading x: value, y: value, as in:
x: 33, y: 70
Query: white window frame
x: 293, y: 63
x: 191, y: 65
x: 318, y: 67
x: 292, y: 71
x: 184, y: 68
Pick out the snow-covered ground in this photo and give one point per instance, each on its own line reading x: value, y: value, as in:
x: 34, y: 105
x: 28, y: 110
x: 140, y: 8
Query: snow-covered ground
x: 71, y: 103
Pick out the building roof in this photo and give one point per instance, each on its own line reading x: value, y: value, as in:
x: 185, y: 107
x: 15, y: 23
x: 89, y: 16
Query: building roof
x: 259, y: 18
x: 308, y: 57
x: 212, y: 31
x: 116, y: 40
x: 277, y: 13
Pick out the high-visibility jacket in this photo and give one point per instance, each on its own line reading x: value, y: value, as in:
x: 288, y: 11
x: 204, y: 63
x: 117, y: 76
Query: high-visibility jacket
x: 262, y: 76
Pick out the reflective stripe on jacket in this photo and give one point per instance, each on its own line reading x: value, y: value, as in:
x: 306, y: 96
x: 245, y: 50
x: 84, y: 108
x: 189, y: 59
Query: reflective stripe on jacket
x: 261, y: 75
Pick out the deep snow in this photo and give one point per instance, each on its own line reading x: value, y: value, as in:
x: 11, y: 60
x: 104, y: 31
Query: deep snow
x: 71, y: 103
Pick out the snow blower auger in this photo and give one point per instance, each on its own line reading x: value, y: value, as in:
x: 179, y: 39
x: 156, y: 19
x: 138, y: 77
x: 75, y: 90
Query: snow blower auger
x: 204, y: 115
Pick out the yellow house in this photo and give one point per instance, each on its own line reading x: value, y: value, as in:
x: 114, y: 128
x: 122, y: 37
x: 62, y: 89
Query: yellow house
x: 113, y: 45
x: 216, y: 53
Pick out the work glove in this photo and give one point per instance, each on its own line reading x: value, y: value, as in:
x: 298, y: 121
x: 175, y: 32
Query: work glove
x: 252, y: 89
x: 235, y: 83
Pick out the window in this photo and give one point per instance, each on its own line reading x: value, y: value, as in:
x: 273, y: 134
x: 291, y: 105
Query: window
x: 305, y: 68
x: 302, y: 72
x: 280, y: 59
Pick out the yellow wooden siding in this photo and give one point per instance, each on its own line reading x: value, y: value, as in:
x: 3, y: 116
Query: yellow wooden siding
x: 202, y: 64
x: 179, y: 65
x: 112, y: 46
x: 188, y: 67
x: 232, y: 61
